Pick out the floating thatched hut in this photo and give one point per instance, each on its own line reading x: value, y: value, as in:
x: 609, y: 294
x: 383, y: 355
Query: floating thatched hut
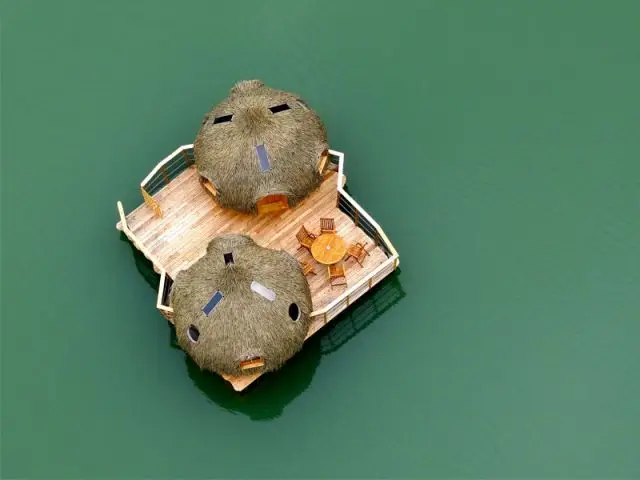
x: 241, y: 308
x: 260, y: 149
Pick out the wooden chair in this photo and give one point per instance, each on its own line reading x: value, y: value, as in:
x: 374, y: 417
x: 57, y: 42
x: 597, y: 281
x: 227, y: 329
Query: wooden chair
x: 305, y: 238
x: 358, y: 251
x: 337, y: 276
x: 327, y: 225
x: 307, y: 268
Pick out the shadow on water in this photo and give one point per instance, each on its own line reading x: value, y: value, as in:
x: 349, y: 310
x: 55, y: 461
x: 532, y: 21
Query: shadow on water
x: 143, y: 264
x: 266, y: 398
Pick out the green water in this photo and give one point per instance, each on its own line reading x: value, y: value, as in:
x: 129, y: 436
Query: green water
x: 496, y: 142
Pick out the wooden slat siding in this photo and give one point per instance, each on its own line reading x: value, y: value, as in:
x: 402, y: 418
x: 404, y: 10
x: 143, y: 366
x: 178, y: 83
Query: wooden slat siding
x: 191, y: 209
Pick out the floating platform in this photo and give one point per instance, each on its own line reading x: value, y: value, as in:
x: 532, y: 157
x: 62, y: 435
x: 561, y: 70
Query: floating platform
x: 179, y: 217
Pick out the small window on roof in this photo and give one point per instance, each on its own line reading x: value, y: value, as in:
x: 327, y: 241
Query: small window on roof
x: 213, y: 302
x: 222, y: 119
x: 263, y: 291
x: 294, y: 312
x: 263, y: 157
x: 280, y: 108
x: 228, y: 258
x: 193, y: 333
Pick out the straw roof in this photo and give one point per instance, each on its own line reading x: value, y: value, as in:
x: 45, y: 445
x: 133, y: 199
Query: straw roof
x: 257, y: 305
x: 254, y: 117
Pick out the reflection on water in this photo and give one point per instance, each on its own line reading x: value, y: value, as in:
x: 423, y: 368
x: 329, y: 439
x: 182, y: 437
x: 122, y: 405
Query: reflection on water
x: 271, y: 393
x: 143, y: 264
x: 266, y: 398
x: 362, y: 313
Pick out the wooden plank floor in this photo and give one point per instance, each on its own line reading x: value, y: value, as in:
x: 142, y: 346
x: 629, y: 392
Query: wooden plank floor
x: 191, y: 219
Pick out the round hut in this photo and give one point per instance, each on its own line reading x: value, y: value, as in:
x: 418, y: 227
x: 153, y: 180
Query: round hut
x: 260, y: 150
x: 241, y: 308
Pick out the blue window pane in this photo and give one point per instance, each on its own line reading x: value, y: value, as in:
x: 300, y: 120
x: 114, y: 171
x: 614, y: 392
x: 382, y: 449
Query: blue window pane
x: 263, y: 157
x: 213, y: 303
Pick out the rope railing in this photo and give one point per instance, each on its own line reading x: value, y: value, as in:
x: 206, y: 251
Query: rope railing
x: 164, y: 173
x: 352, y: 212
x: 178, y: 161
x: 362, y: 216
x: 343, y: 301
x: 362, y: 219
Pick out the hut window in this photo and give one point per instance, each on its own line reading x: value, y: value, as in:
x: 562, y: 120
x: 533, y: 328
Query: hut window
x: 228, y: 258
x: 222, y: 119
x: 294, y: 312
x: 263, y: 157
x: 193, y: 333
x: 263, y: 291
x: 212, y: 303
x: 280, y: 108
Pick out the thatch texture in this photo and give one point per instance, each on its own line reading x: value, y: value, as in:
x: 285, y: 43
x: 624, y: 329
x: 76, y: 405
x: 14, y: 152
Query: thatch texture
x: 244, y: 324
x: 254, y: 114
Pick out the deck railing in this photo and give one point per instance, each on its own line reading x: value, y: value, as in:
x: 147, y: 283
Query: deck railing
x: 362, y: 219
x: 163, y: 173
x: 178, y: 161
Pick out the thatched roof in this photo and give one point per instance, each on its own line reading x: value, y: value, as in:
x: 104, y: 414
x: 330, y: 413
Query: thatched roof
x: 260, y: 141
x: 256, y: 306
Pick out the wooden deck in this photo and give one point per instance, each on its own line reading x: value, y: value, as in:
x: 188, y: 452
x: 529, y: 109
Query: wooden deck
x: 191, y: 219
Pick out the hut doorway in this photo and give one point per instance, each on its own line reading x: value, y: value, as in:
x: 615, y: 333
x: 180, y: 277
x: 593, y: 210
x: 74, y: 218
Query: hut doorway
x: 209, y: 186
x: 322, y: 162
x: 272, y: 204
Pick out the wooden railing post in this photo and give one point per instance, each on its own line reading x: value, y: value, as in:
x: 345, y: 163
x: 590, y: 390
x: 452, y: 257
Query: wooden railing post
x: 151, y: 203
x: 165, y: 175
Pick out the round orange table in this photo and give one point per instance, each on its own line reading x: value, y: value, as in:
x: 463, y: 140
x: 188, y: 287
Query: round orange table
x: 328, y: 248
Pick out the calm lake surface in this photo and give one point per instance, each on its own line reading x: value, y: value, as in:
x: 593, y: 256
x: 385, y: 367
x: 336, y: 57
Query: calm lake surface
x: 496, y: 142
